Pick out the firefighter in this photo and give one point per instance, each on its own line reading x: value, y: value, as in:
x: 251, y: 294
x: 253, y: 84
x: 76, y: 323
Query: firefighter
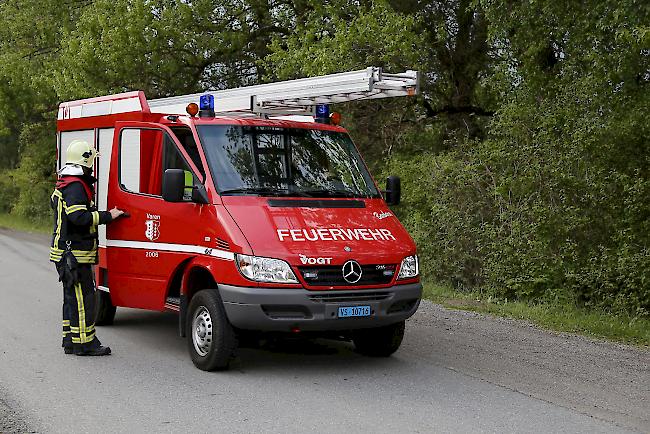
x: 74, y: 248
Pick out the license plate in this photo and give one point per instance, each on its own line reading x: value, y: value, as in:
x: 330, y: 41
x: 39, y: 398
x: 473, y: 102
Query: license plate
x: 346, y: 312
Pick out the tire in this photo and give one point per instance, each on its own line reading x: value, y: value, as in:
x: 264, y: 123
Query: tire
x: 104, y: 309
x: 210, y: 337
x: 380, y: 341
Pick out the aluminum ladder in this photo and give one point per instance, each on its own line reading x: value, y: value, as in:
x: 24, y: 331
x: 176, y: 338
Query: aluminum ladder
x: 299, y: 97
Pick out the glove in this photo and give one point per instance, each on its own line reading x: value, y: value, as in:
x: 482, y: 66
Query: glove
x: 69, y: 273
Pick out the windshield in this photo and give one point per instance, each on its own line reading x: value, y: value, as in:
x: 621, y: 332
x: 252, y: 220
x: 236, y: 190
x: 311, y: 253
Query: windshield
x: 284, y: 162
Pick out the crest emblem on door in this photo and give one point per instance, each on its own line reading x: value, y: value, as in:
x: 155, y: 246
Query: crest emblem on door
x: 152, y: 232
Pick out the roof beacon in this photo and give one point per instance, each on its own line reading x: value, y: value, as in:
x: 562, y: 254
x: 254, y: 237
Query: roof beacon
x: 206, y: 104
x: 322, y: 114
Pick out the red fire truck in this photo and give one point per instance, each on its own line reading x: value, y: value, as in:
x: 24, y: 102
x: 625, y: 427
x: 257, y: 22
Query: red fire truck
x: 251, y: 210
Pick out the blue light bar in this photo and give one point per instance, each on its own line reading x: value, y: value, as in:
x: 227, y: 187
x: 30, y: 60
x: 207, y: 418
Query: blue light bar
x: 322, y: 111
x: 206, y: 102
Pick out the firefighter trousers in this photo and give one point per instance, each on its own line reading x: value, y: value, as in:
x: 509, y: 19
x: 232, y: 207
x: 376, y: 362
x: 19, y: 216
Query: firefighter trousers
x: 79, y: 311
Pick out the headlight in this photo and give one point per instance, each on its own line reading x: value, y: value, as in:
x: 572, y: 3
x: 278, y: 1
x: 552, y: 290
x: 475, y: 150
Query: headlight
x: 409, y: 268
x: 265, y: 269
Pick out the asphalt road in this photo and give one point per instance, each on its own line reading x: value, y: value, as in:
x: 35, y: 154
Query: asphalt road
x: 455, y: 372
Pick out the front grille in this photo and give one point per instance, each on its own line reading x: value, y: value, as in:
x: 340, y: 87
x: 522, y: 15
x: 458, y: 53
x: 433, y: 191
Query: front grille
x: 348, y: 297
x: 332, y: 275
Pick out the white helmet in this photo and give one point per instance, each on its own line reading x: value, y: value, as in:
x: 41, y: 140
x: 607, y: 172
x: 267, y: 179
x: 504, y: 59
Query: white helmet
x: 81, y: 153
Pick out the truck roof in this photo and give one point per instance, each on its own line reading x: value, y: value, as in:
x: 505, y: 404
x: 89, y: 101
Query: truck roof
x: 293, y: 101
x: 247, y: 121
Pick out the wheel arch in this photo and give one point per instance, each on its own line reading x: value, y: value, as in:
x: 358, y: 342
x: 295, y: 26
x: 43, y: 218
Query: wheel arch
x: 198, y: 274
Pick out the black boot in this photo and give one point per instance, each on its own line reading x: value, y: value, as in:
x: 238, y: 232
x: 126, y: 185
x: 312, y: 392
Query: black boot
x: 67, y: 350
x: 99, y: 351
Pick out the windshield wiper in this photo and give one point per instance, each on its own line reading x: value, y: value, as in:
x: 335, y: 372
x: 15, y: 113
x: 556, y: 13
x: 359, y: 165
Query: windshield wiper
x: 271, y: 191
x: 332, y: 193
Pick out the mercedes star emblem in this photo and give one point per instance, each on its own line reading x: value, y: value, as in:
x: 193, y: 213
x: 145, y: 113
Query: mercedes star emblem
x: 352, y: 271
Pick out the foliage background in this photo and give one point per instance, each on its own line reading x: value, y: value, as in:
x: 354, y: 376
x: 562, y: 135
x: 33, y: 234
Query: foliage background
x: 525, y: 162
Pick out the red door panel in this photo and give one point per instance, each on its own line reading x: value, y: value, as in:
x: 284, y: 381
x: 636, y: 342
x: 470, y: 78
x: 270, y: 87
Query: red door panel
x: 144, y: 250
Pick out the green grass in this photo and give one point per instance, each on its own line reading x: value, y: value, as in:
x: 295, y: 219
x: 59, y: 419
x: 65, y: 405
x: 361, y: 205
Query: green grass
x: 563, y: 317
x: 12, y: 221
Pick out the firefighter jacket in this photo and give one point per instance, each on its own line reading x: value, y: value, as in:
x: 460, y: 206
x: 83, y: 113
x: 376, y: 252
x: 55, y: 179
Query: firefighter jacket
x: 76, y: 219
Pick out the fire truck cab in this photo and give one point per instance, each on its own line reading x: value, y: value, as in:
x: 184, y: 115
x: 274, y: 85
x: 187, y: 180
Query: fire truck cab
x: 250, y: 210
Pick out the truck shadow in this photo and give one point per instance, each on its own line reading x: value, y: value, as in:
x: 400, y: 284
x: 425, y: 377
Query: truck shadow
x: 158, y: 332
x: 304, y: 356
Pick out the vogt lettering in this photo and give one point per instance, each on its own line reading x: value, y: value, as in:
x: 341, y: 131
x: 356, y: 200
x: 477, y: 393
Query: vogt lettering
x: 314, y: 261
x: 381, y: 215
x: 334, y: 234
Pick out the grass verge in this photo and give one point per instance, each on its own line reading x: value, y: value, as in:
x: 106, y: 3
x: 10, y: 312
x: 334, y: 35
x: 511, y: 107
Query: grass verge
x: 554, y: 316
x: 11, y: 221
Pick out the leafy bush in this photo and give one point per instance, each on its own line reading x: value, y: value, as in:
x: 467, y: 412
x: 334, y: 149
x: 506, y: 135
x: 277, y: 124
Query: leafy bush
x: 36, y: 174
x: 8, y: 192
x: 553, y: 204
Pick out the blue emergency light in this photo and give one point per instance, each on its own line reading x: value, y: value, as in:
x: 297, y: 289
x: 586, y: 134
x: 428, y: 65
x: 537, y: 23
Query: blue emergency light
x: 206, y: 102
x: 322, y: 111
x: 322, y: 114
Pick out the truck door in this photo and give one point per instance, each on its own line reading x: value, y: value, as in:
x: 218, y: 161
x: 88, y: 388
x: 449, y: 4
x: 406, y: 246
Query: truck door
x: 145, y: 249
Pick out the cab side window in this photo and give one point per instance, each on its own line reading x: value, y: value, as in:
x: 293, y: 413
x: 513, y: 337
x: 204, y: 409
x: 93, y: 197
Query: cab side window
x: 145, y: 154
x: 186, y: 139
x: 172, y: 159
x: 139, y: 159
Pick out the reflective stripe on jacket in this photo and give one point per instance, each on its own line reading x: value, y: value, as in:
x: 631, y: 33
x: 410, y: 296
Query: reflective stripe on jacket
x: 75, y: 220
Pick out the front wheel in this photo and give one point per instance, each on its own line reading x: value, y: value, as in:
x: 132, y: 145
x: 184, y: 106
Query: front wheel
x: 211, y: 338
x: 380, y: 341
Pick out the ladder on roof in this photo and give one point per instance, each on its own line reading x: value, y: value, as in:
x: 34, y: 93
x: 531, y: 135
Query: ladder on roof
x: 299, y: 97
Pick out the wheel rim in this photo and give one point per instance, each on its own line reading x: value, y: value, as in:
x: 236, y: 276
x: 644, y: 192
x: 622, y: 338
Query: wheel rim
x: 202, y: 331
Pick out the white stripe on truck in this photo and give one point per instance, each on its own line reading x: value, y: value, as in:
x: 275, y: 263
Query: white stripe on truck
x: 184, y: 248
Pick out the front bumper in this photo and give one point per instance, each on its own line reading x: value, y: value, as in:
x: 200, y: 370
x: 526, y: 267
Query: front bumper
x: 284, y: 309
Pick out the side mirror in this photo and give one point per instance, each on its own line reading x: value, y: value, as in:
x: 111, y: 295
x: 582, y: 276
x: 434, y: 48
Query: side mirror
x: 393, y: 191
x: 173, y: 185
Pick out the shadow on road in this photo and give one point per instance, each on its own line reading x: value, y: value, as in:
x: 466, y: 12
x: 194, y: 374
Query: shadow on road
x: 159, y: 331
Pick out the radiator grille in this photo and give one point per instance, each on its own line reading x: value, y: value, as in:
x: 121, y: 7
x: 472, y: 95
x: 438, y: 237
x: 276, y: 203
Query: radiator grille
x: 332, y: 275
x: 349, y: 297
